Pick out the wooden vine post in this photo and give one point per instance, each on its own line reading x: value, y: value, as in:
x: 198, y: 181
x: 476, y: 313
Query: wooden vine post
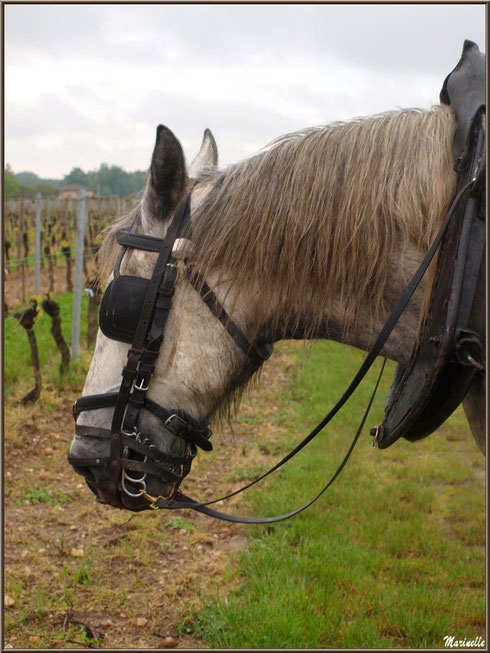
x: 25, y: 240
x: 37, y: 258
x: 77, y: 294
x: 20, y: 259
x: 50, y: 246
x: 9, y: 231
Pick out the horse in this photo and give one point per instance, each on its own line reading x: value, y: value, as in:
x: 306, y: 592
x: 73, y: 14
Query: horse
x: 314, y: 237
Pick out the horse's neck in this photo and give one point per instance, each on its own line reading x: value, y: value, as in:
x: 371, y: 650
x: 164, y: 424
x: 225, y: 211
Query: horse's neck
x: 362, y: 331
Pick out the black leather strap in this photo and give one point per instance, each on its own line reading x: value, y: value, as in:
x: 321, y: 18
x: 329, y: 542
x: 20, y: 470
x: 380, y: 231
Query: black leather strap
x: 249, y: 348
x: 176, y: 421
x: 134, y: 355
x: 79, y: 461
x: 182, y: 425
x: 139, y: 241
x: 93, y: 402
x: 163, y: 304
x: 161, y: 471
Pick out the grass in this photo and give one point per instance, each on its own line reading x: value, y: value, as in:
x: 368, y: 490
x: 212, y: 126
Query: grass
x: 17, y: 362
x: 391, y: 557
x: 177, y: 523
x: 83, y: 573
x: 42, y: 495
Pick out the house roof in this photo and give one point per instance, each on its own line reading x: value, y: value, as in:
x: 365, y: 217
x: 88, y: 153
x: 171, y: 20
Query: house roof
x: 73, y: 187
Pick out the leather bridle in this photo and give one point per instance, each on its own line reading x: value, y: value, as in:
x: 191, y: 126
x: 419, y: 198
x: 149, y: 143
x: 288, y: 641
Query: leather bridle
x: 132, y: 455
x: 121, y: 476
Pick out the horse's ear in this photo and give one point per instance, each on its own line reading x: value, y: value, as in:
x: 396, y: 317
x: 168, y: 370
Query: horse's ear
x: 167, y: 178
x: 207, y: 157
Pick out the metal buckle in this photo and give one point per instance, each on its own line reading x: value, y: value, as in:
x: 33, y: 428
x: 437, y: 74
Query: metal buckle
x: 142, y: 387
x: 124, y: 474
x: 132, y: 433
x: 177, y: 417
x: 75, y: 410
x: 154, y: 500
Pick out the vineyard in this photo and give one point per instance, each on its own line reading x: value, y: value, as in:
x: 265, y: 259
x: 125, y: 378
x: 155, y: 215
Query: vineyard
x: 43, y: 260
x: 58, y: 218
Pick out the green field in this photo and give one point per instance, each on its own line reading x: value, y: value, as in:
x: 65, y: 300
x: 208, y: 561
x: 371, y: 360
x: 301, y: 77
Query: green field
x: 393, y: 555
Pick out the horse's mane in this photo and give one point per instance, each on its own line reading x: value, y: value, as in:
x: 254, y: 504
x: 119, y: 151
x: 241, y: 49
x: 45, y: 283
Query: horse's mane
x: 315, y: 218
x: 319, y: 213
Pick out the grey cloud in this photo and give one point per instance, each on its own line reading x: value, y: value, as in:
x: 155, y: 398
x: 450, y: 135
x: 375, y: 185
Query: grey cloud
x: 50, y: 114
x: 394, y: 55
x: 51, y: 30
x: 231, y: 122
x: 389, y: 37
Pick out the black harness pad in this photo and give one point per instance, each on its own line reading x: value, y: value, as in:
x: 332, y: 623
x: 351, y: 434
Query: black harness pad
x: 464, y: 91
x: 450, y: 349
x: 121, y: 307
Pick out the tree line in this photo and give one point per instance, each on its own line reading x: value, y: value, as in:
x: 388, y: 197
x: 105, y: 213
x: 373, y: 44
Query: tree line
x: 107, y: 180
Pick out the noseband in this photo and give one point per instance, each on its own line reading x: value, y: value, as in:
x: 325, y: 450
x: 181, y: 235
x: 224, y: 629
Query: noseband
x: 147, y: 302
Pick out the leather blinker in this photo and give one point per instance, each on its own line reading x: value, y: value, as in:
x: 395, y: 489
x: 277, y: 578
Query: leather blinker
x: 121, y: 307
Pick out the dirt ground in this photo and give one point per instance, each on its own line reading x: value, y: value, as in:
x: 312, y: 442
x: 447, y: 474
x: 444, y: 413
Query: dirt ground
x: 18, y: 285
x: 82, y: 575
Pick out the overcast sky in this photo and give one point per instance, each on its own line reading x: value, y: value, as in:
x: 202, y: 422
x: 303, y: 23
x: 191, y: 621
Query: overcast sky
x: 88, y: 84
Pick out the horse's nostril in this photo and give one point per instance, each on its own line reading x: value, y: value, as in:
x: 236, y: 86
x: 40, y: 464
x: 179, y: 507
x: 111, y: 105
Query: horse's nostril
x: 85, y: 472
x: 89, y: 475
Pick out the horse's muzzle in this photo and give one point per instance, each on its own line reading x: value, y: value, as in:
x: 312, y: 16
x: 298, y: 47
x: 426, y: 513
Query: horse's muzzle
x: 119, y: 491
x: 135, y: 480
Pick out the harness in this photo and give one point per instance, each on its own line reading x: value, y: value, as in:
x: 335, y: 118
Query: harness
x: 450, y: 347
x: 129, y: 300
